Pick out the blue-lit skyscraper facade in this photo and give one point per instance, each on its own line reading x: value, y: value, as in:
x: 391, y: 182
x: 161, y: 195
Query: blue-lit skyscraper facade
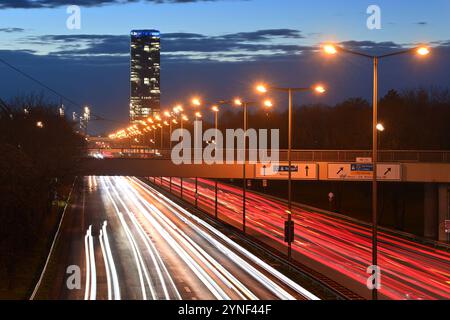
x: 145, y: 74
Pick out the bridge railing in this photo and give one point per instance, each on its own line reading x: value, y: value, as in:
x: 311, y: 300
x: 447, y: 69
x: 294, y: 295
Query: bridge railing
x: 432, y: 156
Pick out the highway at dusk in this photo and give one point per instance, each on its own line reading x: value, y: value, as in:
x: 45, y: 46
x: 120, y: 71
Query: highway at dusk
x: 150, y: 248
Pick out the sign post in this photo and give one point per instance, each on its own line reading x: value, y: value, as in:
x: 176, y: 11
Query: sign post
x: 289, y: 231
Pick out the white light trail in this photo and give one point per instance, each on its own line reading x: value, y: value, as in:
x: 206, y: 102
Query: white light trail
x: 259, y: 276
x: 88, y: 271
x: 112, y: 265
x: 155, y: 256
x: 105, y: 259
x: 90, y: 292
x: 211, y: 264
x: 130, y: 239
x: 93, y: 294
x: 203, y: 276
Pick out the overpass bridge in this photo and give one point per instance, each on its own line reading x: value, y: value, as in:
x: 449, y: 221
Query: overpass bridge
x: 431, y: 168
x: 321, y: 165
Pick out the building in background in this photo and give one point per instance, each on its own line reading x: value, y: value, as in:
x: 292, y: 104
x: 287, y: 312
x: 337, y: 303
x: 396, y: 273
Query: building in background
x: 145, y: 74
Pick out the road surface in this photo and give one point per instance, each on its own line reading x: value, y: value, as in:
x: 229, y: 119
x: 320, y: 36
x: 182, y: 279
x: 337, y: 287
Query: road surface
x: 121, y: 239
x: 409, y: 270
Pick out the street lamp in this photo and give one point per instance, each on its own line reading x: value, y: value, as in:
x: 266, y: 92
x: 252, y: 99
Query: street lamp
x: 216, y: 110
x: 196, y: 102
x: 178, y: 109
x: 262, y: 88
x: 332, y: 50
x: 162, y: 135
x: 183, y: 119
x: 245, y: 104
x: 167, y: 114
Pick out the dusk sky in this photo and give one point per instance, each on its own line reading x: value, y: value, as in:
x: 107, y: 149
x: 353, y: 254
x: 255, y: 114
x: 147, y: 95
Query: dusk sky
x: 218, y: 48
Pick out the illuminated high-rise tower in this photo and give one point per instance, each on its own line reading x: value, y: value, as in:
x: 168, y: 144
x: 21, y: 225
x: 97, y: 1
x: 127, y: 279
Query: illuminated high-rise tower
x: 145, y: 74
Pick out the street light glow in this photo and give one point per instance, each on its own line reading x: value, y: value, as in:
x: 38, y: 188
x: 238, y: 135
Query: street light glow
x: 177, y: 109
x: 215, y: 108
x: 329, y: 49
x: 423, y: 51
x: 380, y: 127
x: 268, y: 104
x: 39, y: 124
x: 167, y: 114
x: 237, y: 102
x: 198, y: 115
x: 320, y: 89
x: 196, y: 102
x: 261, y: 88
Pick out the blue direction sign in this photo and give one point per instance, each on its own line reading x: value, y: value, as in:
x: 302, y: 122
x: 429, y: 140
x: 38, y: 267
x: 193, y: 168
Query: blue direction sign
x: 285, y: 168
x: 362, y: 167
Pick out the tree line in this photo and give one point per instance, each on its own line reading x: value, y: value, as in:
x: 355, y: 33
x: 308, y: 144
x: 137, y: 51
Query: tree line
x: 39, y: 152
x: 413, y: 119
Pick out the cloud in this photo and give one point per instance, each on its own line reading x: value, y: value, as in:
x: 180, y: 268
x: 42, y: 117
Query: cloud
x: 36, y: 4
x: 422, y: 23
x: 232, y: 46
x: 11, y: 30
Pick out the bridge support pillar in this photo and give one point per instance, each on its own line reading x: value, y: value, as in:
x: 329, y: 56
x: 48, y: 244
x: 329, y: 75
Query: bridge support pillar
x: 443, y: 209
x: 430, y: 204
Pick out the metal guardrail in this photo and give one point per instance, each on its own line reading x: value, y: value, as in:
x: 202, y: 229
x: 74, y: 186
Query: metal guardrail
x: 431, y: 156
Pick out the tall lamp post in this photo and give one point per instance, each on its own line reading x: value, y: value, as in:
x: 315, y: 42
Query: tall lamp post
x: 290, y: 91
x: 245, y: 105
x: 197, y: 102
x: 216, y: 110
x: 168, y: 115
x: 332, y: 50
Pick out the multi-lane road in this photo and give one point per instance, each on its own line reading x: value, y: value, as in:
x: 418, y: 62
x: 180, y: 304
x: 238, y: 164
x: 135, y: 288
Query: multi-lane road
x: 340, y: 249
x: 122, y: 239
